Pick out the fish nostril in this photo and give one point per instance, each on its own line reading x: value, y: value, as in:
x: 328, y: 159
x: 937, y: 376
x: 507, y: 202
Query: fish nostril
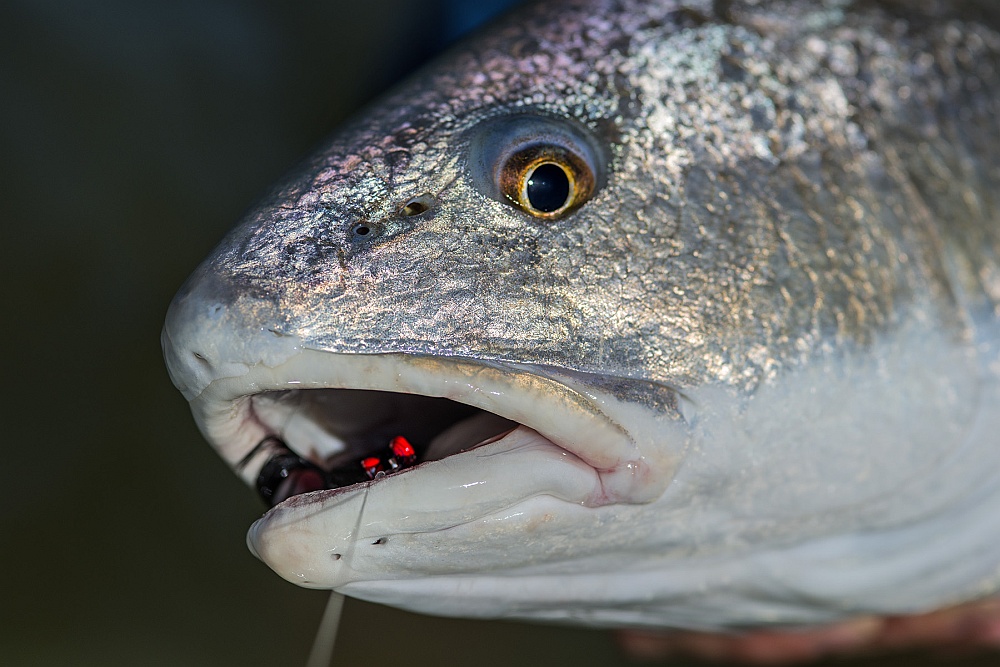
x: 417, y: 205
x: 336, y: 556
x: 381, y: 540
x: 200, y: 357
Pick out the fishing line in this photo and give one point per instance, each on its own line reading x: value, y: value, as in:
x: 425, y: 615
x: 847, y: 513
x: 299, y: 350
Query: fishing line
x: 321, y: 654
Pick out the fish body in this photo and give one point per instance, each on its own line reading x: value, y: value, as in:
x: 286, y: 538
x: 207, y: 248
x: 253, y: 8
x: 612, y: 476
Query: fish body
x: 690, y: 309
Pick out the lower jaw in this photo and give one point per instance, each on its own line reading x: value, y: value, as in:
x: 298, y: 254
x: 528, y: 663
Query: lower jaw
x: 299, y: 537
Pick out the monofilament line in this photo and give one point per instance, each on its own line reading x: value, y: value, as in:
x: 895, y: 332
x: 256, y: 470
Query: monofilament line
x: 321, y: 654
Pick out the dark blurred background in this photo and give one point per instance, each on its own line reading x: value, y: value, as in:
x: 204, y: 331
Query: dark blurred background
x: 132, y: 136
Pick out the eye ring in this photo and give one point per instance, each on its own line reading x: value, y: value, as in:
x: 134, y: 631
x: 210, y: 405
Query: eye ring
x: 506, y: 153
x: 546, y: 181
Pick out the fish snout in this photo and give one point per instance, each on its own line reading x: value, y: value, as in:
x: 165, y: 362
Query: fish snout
x: 214, y: 330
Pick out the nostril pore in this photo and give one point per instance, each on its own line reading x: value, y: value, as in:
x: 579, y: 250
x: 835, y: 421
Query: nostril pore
x: 200, y: 357
x: 381, y: 540
x: 417, y: 205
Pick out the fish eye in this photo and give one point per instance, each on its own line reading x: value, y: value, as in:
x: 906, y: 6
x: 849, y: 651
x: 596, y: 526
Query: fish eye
x: 542, y: 165
x: 546, y: 181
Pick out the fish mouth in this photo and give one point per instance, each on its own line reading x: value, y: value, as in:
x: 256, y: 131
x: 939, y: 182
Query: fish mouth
x: 492, y: 437
x: 487, y: 436
x: 335, y: 410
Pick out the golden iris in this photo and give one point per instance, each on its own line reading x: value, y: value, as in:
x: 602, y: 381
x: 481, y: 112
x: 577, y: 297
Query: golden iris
x: 546, y: 181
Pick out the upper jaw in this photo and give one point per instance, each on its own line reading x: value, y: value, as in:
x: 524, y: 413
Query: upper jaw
x: 574, y: 418
x: 223, y: 346
x: 393, y: 528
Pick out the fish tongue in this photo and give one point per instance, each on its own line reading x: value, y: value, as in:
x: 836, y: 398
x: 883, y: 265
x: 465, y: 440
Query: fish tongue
x: 466, y: 434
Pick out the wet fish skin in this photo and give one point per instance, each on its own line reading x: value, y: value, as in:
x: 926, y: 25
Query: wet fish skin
x: 790, y: 194
x: 770, y: 194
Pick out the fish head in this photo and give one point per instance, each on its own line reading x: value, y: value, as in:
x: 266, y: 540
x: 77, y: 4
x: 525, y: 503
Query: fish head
x: 650, y: 373
x: 396, y: 286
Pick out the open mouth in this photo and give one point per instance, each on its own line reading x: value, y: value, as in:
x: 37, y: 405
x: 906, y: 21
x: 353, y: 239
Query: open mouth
x: 335, y: 438
x: 431, y: 450
x: 323, y: 422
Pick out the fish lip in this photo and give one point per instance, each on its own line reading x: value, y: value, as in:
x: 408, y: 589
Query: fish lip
x: 571, y: 417
x: 414, y: 510
x: 567, y: 449
x: 322, y: 495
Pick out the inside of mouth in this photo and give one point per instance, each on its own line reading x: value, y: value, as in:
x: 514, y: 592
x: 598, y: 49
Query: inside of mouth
x: 333, y: 438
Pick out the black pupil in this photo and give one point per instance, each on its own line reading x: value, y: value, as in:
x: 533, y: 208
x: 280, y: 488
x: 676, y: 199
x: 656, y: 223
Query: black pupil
x: 547, y: 188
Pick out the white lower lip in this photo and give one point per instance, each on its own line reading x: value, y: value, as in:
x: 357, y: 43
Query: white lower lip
x: 572, y: 453
x: 298, y: 538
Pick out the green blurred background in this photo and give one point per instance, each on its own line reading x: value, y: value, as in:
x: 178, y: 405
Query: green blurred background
x: 132, y: 136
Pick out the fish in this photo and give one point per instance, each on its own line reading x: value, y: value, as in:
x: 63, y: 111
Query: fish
x: 666, y: 314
